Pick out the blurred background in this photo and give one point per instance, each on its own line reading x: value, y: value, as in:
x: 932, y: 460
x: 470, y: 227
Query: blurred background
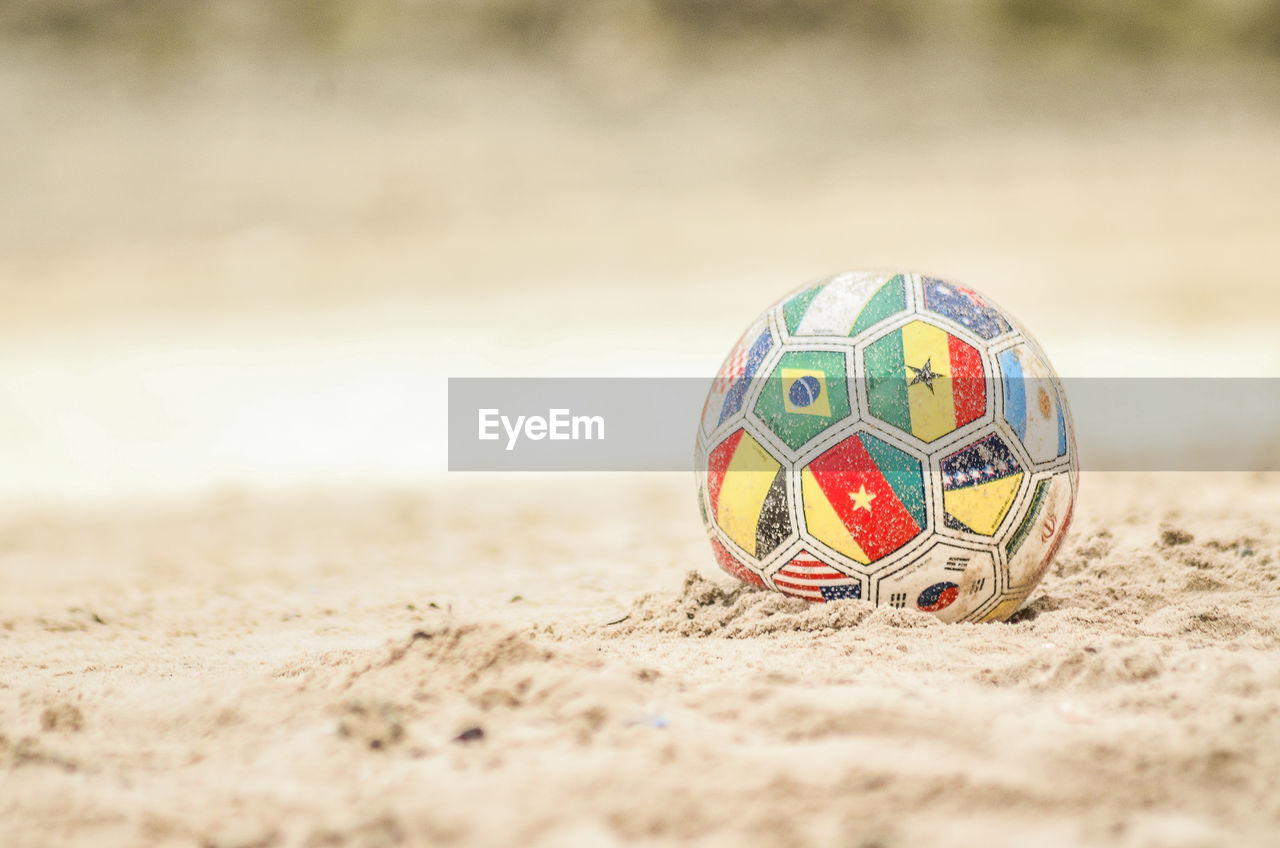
x: 242, y: 244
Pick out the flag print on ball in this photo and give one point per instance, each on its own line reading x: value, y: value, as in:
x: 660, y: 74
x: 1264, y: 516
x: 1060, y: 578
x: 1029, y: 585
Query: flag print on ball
x: 979, y: 484
x: 846, y: 305
x: 965, y: 307
x: 925, y: 381
x: 807, y: 393
x: 805, y: 576
x: 1031, y: 404
x: 730, y: 387
x: 948, y: 580
x: 890, y: 437
x: 804, y: 392
x: 747, y: 490
x: 1031, y: 546
x: 939, y: 596
x: 864, y: 498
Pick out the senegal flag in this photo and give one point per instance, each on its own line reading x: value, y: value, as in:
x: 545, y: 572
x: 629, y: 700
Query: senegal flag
x: 925, y: 381
x: 864, y: 498
x: 748, y: 492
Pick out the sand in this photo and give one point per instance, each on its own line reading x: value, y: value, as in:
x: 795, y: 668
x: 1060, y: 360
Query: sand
x: 255, y: 278
x: 561, y: 664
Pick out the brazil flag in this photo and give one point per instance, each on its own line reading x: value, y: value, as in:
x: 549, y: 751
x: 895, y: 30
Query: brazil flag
x: 806, y: 394
x: 925, y: 381
x: 748, y: 492
x: 864, y: 498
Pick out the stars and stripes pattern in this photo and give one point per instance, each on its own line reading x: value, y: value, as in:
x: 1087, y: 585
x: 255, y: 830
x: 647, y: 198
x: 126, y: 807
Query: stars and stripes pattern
x: 812, y: 579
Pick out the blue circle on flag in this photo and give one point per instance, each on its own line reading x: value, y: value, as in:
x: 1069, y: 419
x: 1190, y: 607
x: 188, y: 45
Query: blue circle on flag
x: 805, y: 391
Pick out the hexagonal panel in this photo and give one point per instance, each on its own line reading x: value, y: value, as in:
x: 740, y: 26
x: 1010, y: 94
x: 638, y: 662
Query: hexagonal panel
x: 1032, y: 403
x: 925, y: 381
x: 979, y: 485
x: 845, y: 305
x: 947, y: 580
x: 806, y: 393
x: 863, y: 498
x: 806, y: 576
x: 747, y: 494
x: 964, y: 306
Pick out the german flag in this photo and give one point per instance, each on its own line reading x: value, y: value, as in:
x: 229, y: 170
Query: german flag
x: 925, y: 381
x: 864, y: 498
x: 747, y: 488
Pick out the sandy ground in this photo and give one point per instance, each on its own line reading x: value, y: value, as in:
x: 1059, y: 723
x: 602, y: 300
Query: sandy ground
x: 258, y: 278
x: 312, y: 671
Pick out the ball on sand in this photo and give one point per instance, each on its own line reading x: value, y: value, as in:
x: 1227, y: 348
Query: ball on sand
x: 890, y: 437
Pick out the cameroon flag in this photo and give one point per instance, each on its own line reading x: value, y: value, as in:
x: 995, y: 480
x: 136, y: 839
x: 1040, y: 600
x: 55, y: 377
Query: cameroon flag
x: 925, y: 381
x: 747, y: 488
x: 864, y: 498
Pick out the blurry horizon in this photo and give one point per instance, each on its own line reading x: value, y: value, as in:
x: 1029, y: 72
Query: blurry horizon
x: 244, y: 243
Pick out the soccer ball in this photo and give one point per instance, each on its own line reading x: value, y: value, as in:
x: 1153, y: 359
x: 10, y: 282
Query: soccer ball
x: 889, y: 437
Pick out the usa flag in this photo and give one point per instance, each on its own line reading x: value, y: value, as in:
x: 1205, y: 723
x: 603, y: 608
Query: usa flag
x: 814, y: 580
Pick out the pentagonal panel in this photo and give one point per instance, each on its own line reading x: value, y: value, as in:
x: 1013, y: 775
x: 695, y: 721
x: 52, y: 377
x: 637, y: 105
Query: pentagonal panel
x: 1033, y: 403
x: 734, y: 379
x: 924, y: 381
x: 948, y: 580
x: 845, y: 305
x: 964, y: 306
x: 806, y: 393
x: 863, y: 498
x: 979, y: 485
x: 747, y: 494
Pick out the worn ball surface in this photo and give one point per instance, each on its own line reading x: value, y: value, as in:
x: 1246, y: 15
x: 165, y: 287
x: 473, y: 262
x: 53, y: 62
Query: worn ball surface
x: 890, y: 437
